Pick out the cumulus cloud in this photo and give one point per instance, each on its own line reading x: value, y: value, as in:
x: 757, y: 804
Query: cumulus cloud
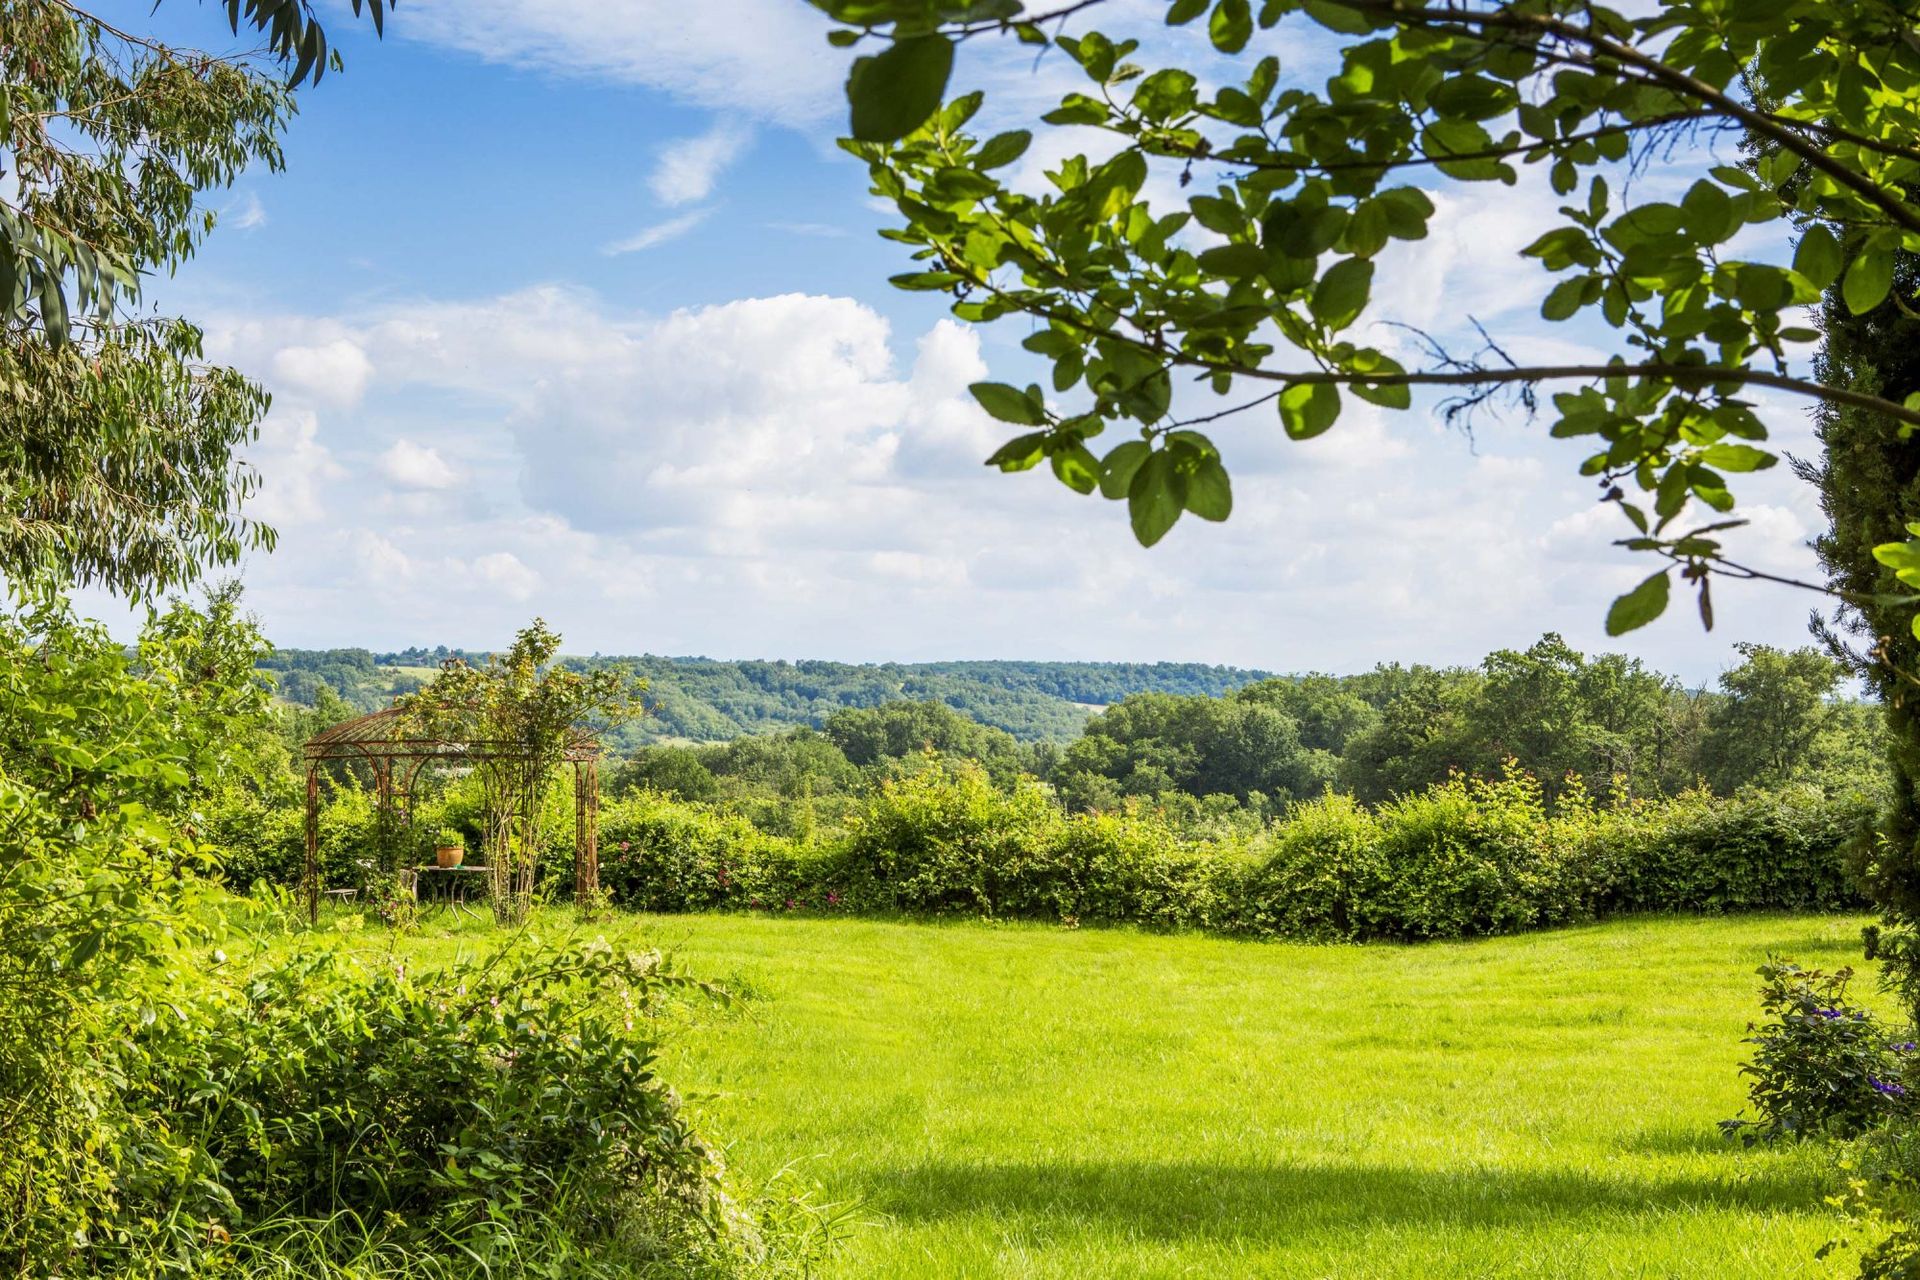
x: 790, y: 475
x: 378, y: 560
x: 731, y: 421
x: 295, y: 466
x: 332, y: 373
x: 503, y: 571
x: 413, y: 466
x: 687, y: 170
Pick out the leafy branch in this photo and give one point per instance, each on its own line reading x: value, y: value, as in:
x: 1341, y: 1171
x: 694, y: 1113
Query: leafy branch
x: 1129, y: 290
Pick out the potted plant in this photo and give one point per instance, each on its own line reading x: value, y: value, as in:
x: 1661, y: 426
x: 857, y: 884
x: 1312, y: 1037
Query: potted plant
x: 449, y: 847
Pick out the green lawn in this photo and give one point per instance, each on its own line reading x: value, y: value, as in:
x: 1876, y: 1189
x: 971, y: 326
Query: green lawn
x: 1025, y: 1101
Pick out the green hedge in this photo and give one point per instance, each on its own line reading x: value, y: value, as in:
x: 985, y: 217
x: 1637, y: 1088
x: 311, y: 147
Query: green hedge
x: 1460, y: 859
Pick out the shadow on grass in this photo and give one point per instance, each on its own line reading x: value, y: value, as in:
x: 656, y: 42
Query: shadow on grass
x: 1691, y: 1140
x: 1176, y: 1200
x: 1827, y: 951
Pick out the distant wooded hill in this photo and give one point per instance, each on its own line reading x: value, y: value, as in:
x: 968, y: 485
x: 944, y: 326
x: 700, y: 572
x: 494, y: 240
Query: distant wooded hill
x: 708, y: 700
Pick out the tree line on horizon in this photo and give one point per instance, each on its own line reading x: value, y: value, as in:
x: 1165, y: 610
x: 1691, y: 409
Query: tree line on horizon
x: 1378, y: 731
x: 1778, y: 718
x: 714, y: 700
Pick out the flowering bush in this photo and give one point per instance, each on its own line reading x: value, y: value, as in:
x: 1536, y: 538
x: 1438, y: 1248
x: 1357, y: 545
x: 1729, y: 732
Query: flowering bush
x: 1822, y: 1066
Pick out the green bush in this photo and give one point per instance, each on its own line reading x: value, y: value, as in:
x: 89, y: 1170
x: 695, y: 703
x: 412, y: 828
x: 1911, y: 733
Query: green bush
x: 1467, y: 858
x: 462, y: 1110
x: 1461, y: 858
x: 165, y: 1112
x: 1822, y: 1065
x: 1784, y: 850
x: 1325, y: 875
x: 1880, y: 1194
x: 943, y: 839
x: 259, y: 838
x: 1126, y: 865
x: 660, y: 854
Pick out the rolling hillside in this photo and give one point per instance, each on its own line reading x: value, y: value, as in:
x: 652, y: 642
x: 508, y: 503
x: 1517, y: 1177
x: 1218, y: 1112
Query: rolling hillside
x: 712, y: 700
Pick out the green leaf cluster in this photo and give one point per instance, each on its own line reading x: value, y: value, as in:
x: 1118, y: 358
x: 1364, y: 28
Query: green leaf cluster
x: 118, y: 443
x: 1263, y: 271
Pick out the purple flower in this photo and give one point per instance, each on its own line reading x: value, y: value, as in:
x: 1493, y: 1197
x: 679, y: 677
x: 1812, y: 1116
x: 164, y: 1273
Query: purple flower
x: 1828, y: 1013
x: 1883, y: 1086
x: 1905, y: 1046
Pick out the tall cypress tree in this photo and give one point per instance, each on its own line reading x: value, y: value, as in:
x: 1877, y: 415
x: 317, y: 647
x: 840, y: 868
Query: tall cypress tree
x: 1869, y: 483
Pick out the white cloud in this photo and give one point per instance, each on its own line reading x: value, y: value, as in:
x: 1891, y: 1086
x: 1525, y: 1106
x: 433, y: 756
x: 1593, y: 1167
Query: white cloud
x: 769, y: 58
x: 413, y: 466
x: 730, y: 421
x: 687, y: 170
x: 244, y: 214
x: 790, y: 476
x: 504, y: 571
x: 295, y: 466
x: 379, y: 562
x: 657, y: 234
x: 1469, y: 264
x: 333, y: 373
x: 823, y: 230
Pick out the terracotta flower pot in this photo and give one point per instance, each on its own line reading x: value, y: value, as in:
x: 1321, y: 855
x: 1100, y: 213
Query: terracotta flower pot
x: 449, y: 855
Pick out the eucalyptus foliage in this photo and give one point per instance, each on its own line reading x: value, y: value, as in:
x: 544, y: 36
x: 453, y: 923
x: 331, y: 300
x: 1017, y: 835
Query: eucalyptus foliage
x: 118, y: 461
x: 1252, y: 284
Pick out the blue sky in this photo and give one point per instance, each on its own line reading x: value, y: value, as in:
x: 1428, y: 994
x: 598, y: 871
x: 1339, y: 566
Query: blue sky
x: 573, y: 309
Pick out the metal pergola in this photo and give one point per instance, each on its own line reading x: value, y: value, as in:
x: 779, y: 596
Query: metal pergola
x: 390, y: 744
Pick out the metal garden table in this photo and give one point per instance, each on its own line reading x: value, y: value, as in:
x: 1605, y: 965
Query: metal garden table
x: 452, y: 888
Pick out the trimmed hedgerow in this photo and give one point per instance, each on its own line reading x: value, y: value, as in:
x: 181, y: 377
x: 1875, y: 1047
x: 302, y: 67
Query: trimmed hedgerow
x: 1462, y: 858
x: 1764, y: 850
x: 944, y: 839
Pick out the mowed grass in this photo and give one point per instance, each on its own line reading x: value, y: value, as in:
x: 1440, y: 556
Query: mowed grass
x: 1026, y: 1101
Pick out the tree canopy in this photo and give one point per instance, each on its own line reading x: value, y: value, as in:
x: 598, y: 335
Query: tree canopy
x: 1252, y: 284
x: 118, y: 442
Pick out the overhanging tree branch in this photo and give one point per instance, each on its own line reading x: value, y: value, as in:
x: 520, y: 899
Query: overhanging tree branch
x: 1680, y: 82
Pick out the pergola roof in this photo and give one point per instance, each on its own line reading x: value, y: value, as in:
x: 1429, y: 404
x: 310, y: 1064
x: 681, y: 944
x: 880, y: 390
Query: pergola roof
x: 387, y: 735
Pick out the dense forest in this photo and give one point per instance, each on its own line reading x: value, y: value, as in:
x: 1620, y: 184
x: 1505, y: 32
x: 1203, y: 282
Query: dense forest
x: 1774, y: 718
x: 712, y: 700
